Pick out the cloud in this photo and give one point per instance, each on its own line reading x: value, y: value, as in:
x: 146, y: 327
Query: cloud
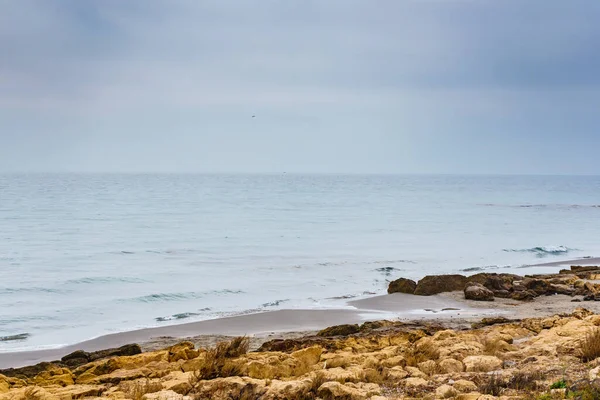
x: 411, y: 70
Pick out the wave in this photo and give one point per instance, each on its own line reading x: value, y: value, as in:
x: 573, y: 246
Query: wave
x: 387, y: 271
x: 542, y: 251
x: 11, y: 291
x: 14, y: 338
x: 483, y: 268
x: 165, y: 297
x: 542, y: 206
x: 275, y: 303
x: 104, y: 279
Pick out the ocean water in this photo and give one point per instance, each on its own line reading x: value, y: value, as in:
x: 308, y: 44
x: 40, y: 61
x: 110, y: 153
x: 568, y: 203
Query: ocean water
x: 86, y: 255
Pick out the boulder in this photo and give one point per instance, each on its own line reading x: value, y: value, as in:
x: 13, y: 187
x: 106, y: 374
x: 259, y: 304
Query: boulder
x: 336, y: 390
x: 445, y: 392
x: 465, y: 386
x: 4, y: 385
x: 476, y: 291
x: 482, y: 363
x: 539, y: 286
x: 450, y: 366
x: 340, y: 330
x: 434, y: 284
x: 402, y: 285
x: 415, y: 382
x: 524, y: 295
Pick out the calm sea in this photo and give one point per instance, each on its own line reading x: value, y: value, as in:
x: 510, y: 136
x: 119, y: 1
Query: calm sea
x: 86, y: 255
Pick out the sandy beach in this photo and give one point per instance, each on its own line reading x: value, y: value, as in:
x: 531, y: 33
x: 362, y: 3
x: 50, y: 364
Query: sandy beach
x: 267, y: 325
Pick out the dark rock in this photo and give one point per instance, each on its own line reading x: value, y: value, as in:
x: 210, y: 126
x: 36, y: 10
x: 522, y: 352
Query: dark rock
x: 476, y: 291
x: 26, y: 372
x: 589, y: 297
x: 340, y: 330
x: 576, y: 301
x: 562, y: 289
x: 504, y: 294
x: 402, y: 285
x: 434, y: 284
x: 127, y: 350
x: 524, y: 295
x: 539, y: 286
x: 492, y: 321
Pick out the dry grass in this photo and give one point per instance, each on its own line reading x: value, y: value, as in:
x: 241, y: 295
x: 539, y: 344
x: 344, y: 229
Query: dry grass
x: 422, y: 352
x: 137, y: 389
x: 371, y: 375
x: 492, y: 347
x: 31, y: 393
x: 589, y: 347
x: 217, y: 361
x: 520, y: 381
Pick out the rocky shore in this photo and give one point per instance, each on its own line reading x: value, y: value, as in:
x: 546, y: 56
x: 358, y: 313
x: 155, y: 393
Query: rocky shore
x: 545, y: 357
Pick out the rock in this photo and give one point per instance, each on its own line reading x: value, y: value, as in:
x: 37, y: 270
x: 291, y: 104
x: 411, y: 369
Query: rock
x: 476, y: 291
x: 415, y: 382
x: 396, y: 373
x: 524, y: 295
x: 163, y: 395
x: 450, y: 365
x: 28, y: 372
x: 539, y: 286
x: 469, y: 396
x: 428, y: 367
x: 445, y: 392
x: 402, y: 285
x: 182, y: 351
x: 503, y: 294
x: 464, y: 386
x: 482, y: 363
x: 491, y: 321
x: 434, y: 284
x: 309, y: 356
x: 336, y: 390
x: 414, y: 372
x: 594, y: 374
x: 54, y: 376
x: 339, y: 330
x: 4, y: 385
x: 562, y: 289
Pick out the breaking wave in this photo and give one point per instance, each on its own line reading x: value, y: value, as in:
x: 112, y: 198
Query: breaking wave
x: 542, y: 251
x: 165, y: 297
x: 12, y: 338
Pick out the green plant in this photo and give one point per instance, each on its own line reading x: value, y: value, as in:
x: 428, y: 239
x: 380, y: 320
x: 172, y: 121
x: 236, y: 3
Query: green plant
x: 559, y: 385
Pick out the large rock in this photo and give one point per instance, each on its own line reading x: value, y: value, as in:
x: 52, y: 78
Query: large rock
x: 336, y: 390
x: 476, y: 291
x: 524, y: 295
x: 434, y: 284
x: 402, y: 285
x: 539, y: 286
x: 339, y: 330
x: 482, y: 363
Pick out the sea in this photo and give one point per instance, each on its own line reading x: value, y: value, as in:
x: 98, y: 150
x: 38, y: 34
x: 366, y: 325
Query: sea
x: 84, y: 255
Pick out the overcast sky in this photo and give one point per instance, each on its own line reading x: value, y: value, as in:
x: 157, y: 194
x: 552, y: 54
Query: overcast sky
x: 387, y: 86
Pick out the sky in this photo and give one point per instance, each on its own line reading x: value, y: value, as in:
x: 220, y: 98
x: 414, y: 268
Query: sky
x: 336, y: 86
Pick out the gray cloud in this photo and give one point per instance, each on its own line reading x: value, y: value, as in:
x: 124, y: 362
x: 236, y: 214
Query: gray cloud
x: 337, y: 85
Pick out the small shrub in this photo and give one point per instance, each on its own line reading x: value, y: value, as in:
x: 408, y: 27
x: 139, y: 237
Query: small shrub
x: 422, y: 352
x: 374, y: 376
x: 589, y: 347
x: 217, y: 361
x: 491, y: 347
x: 136, y: 390
x: 31, y: 393
x: 559, y: 385
x: 494, y: 385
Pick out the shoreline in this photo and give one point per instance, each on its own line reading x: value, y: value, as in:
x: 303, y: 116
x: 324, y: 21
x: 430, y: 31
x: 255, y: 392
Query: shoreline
x: 446, y: 308
x: 267, y: 325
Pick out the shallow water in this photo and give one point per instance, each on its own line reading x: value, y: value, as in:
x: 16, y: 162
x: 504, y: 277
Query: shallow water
x: 86, y: 255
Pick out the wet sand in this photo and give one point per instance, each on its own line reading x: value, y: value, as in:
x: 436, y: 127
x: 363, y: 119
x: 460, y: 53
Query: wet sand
x: 568, y: 263
x: 264, y: 325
